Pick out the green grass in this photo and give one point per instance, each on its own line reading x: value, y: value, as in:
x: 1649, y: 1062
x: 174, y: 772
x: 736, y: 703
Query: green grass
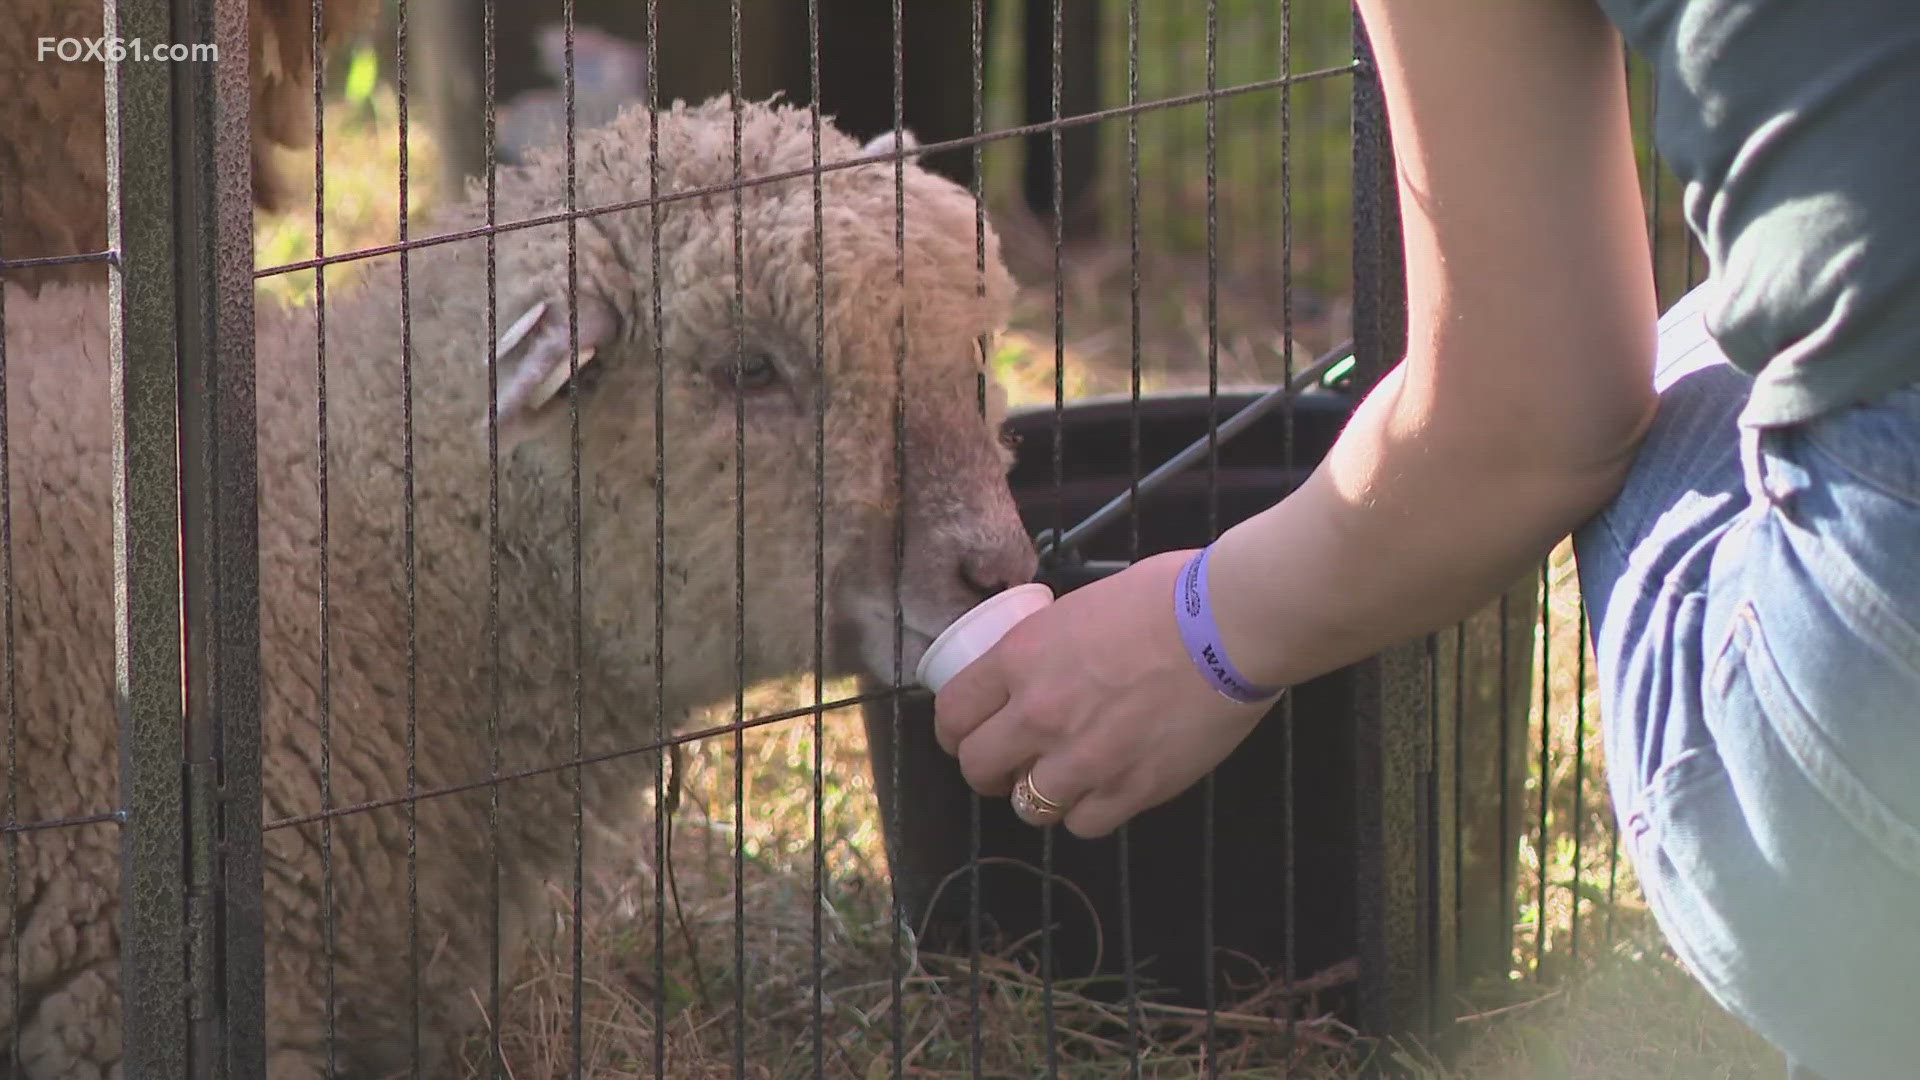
x: 361, y: 183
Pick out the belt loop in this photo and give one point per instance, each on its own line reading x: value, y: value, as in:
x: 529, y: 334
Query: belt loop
x: 1752, y: 465
x: 1761, y: 462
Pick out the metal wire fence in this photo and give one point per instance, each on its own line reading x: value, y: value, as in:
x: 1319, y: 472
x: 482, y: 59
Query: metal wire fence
x: 311, y: 859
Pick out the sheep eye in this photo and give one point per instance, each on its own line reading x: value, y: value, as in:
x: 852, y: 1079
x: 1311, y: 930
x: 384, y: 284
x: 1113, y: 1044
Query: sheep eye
x: 754, y: 371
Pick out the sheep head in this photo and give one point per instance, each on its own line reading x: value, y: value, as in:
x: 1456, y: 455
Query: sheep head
x: 840, y: 355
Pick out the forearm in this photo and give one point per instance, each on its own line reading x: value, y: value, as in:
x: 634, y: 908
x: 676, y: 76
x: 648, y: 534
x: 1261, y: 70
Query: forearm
x: 1402, y: 530
x: 1527, y: 381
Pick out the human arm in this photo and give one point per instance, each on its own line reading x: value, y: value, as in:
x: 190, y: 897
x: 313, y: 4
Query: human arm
x: 1525, y: 389
x: 1527, y: 381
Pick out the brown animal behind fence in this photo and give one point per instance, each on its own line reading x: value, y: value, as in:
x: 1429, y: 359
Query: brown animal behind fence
x: 53, y: 156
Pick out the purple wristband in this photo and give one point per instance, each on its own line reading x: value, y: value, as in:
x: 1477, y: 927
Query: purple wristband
x: 1193, y: 609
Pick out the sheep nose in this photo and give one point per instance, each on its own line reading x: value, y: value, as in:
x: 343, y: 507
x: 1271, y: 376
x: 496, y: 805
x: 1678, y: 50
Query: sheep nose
x: 990, y: 571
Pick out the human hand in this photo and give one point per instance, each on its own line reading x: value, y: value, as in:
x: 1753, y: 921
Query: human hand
x: 1096, y: 694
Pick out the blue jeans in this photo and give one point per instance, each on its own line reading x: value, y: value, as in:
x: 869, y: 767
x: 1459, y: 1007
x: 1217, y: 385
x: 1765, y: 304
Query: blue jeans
x: 1755, y: 596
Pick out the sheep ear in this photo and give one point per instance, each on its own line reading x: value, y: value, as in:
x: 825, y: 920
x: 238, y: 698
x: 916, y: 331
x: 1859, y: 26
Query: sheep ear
x: 883, y: 143
x: 533, y: 363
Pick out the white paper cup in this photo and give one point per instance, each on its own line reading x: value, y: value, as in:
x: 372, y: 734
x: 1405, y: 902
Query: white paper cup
x: 973, y: 633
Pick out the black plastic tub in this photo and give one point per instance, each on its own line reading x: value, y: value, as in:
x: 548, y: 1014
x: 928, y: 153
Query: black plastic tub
x: 1255, y: 877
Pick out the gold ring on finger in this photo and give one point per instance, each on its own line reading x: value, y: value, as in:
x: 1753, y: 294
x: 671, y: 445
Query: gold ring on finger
x: 1032, y: 807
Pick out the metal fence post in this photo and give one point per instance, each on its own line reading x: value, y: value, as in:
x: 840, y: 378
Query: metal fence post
x: 219, y: 536
x: 141, y: 329
x: 1391, y: 689
x: 1442, y: 722
x: 181, y: 335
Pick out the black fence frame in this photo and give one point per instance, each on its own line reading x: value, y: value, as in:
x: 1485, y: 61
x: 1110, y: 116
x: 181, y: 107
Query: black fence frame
x: 180, y: 334
x: 181, y: 288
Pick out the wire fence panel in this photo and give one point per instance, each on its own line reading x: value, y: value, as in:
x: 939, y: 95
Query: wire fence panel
x: 1049, y: 54
x: 549, y: 758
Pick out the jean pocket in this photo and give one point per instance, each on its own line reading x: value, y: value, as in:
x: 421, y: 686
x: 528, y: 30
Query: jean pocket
x: 1814, y: 713
x: 1798, y: 869
x: 1841, y: 540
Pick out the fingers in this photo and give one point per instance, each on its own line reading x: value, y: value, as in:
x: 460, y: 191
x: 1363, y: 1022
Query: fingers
x: 1001, y: 741
x: 1005, y: 753
x: 1095, y: 799
x: 1060, y: 779
x: 997, y: 753
x: 974, y: 694
x: 1101, y: 812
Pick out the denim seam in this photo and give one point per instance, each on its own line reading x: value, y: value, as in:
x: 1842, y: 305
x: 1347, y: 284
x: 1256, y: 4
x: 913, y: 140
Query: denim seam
x: 1686, y: 769
x: 1861, y: 602
x: 1821, y: 762
x: 1622, y: 551
x: 1676, y: 778
x: 1652, y: 582
x: 1718, y: 678
x: 1742, y: 537
x: 1820, y: 445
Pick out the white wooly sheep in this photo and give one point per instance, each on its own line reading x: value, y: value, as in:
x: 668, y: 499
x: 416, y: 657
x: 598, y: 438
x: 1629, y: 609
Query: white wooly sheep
x: 345, y: 723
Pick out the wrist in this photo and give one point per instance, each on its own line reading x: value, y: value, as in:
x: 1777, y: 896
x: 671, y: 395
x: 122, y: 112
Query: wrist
x: 1200, y: 634
x: 1257, y: 601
